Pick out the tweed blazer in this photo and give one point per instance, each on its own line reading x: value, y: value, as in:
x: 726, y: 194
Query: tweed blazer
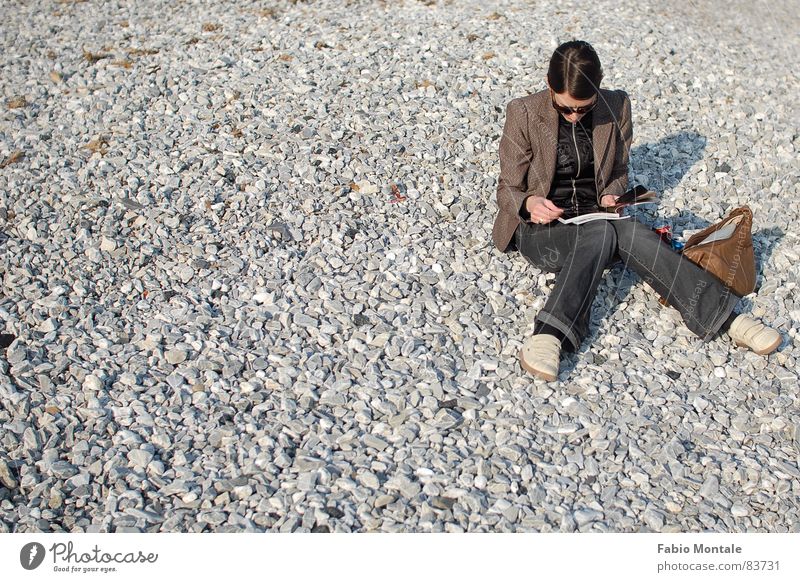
x: 528, y: 154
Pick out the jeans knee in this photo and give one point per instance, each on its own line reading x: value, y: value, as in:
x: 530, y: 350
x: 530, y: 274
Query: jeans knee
x: 603, y: 237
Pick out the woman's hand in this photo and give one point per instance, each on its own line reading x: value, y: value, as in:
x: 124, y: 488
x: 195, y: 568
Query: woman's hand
x: 542, y: 210
x: 608, y: 200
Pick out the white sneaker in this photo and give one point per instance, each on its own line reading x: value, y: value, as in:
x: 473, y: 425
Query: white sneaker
x: 750, y: 333
x: 540, y: 356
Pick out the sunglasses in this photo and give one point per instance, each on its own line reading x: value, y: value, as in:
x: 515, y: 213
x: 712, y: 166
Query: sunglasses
x: 567, y: 110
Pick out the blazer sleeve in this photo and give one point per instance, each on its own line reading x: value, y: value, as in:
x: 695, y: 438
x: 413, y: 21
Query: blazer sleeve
x: 618, y: 181
x: 515, y: 159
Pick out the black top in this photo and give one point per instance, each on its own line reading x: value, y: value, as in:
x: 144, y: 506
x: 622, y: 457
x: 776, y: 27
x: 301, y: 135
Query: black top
x: 573, y: 186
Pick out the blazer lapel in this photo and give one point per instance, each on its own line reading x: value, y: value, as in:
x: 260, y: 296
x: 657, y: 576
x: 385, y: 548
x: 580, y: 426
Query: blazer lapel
x: 602, y: 130
x: 548, y: 142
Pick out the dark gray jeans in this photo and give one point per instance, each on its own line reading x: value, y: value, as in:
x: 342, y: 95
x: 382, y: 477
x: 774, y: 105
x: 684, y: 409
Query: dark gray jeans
x: 580, y: 253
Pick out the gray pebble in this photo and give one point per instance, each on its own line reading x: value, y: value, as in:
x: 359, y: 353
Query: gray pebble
x: 140, y: 457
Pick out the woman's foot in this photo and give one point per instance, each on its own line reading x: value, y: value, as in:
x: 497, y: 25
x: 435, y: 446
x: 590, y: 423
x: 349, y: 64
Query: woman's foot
x: 750, y: 333
x: 540, y: 356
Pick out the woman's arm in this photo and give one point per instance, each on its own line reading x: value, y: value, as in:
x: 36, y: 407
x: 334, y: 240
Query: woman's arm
x: 618, y: 181
x: 515, y: 159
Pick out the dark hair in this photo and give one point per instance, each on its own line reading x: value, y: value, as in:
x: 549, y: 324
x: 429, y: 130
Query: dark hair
x: 575, y: 68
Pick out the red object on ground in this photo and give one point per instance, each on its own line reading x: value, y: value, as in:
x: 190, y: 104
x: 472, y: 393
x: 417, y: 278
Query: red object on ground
x: 397, y: 196
x: 665, y: 232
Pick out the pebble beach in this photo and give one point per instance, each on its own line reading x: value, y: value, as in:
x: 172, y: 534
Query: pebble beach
x: 247, y: 268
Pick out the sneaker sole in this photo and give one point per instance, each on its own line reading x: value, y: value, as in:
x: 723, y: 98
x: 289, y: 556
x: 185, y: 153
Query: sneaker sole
x: 764, y: 352
x: 531, y: 370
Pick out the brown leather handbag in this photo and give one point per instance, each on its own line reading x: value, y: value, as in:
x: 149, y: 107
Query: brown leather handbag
x: 725, y: 250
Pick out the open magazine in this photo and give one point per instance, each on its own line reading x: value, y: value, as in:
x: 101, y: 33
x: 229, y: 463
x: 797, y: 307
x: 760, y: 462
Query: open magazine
x: 582, y: 218
x: 633, y: 197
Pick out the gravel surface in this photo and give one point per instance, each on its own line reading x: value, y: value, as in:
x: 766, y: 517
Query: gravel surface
x: 248, y: 280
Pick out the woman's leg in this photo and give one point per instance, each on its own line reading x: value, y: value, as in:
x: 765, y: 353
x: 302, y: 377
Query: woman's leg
x: 704, y: 302
x: 579, y: 254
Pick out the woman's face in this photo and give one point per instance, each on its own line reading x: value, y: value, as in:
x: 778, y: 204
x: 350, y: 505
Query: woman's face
x: 565, y: 100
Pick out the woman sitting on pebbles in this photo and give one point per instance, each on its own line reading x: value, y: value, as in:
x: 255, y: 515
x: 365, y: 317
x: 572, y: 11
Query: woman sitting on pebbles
x: 564, y: 152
